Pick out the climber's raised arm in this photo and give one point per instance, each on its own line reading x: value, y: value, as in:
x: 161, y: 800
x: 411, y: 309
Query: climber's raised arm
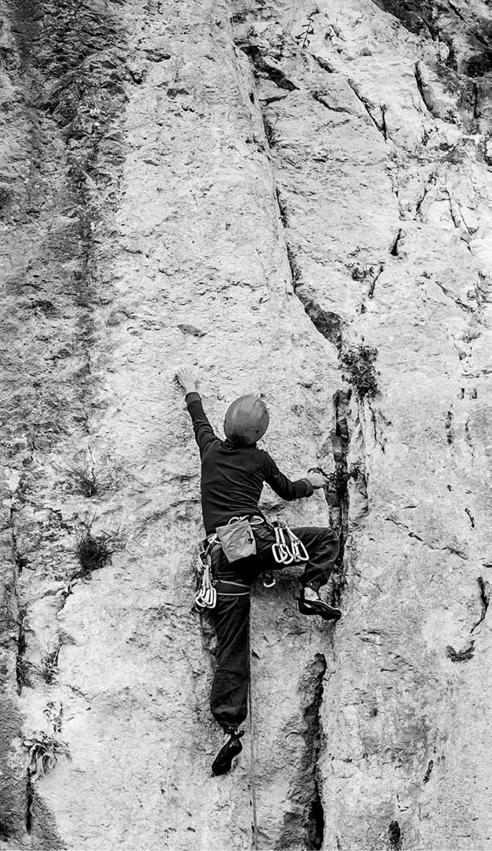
x: 204, y: 433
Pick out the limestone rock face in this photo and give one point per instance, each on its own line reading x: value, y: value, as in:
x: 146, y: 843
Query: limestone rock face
x: 296, y: 197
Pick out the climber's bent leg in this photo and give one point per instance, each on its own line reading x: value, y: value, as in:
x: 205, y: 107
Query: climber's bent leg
x: 322, y: 545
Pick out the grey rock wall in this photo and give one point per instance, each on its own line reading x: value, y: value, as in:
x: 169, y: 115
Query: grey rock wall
x: 296, y: 197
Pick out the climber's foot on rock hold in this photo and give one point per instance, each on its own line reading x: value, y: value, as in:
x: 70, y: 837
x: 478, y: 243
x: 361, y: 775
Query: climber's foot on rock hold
x: 223, y: 761
x: 311, y: 604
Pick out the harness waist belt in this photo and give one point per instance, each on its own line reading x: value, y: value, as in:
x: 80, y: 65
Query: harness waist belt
x: 254, y: 519
x: 232, y: 588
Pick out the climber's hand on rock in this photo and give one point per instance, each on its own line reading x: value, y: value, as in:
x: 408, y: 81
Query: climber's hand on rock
x: 188, y: 380
x: 317, y: 480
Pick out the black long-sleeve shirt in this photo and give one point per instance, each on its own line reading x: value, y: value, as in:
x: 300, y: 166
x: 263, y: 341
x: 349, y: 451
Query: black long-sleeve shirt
x: 232, y: 476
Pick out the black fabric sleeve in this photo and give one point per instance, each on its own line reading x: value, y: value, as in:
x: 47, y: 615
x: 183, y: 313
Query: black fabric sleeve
x: 204, y: 433
x: 281, y: 484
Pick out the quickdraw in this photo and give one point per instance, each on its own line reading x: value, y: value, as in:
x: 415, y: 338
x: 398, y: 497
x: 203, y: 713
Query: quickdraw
x: 288, y: 548
x: 206, y: 597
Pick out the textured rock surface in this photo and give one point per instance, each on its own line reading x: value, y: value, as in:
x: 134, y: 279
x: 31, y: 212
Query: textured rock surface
x: 262, y: 189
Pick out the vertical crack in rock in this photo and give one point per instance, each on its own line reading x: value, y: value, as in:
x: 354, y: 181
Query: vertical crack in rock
x: 375, y: 279
x: 282, y: 207
x: 448, y: 426
x: 418, y: 207
x: 304, y: 822
x: 384, y: 129
x: 17, y: 607
x: 395, y: 835
x: 395, y: 244
x: 21, y: 665
x: 20, y: 560
x: 329, y: 325
x: 370, y: 108
x: 314, y: 832
x: 39, y: 823
x: 340, y: 444
x: 428, y: 772
x: 325, y: 321
x: 29, y: 803
x: 456, y: 10
x: 484, y: 587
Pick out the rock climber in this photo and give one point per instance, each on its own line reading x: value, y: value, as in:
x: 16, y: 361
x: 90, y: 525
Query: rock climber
x: 232, y: 475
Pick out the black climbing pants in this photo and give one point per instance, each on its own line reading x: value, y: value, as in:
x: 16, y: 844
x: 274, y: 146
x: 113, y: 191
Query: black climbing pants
x: 229, y: 697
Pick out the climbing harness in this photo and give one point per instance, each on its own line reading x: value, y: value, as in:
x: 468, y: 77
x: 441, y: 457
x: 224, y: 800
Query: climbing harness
x: 233, y: 588
x: 288, y: 548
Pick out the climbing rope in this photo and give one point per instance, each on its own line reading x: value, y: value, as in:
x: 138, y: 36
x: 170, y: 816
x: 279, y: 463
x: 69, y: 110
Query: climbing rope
x: 252, y: 758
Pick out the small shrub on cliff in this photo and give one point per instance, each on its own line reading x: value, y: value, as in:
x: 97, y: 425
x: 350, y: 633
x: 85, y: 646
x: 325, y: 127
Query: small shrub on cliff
x: 359, y: 362
x: 44, y: 750
x: 93, y: 552
x: 24, y: 671
x: 336, y: 481
x: 50, y: 665
x: 84, y: 481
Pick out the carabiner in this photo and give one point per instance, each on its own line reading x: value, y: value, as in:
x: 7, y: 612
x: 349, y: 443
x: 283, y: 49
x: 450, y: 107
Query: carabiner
x: 281, y: 554
x: 299, y: 551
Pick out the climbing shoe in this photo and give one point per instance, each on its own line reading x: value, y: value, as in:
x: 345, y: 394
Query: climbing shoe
x: 318, y: 607
x: 223, y: 761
